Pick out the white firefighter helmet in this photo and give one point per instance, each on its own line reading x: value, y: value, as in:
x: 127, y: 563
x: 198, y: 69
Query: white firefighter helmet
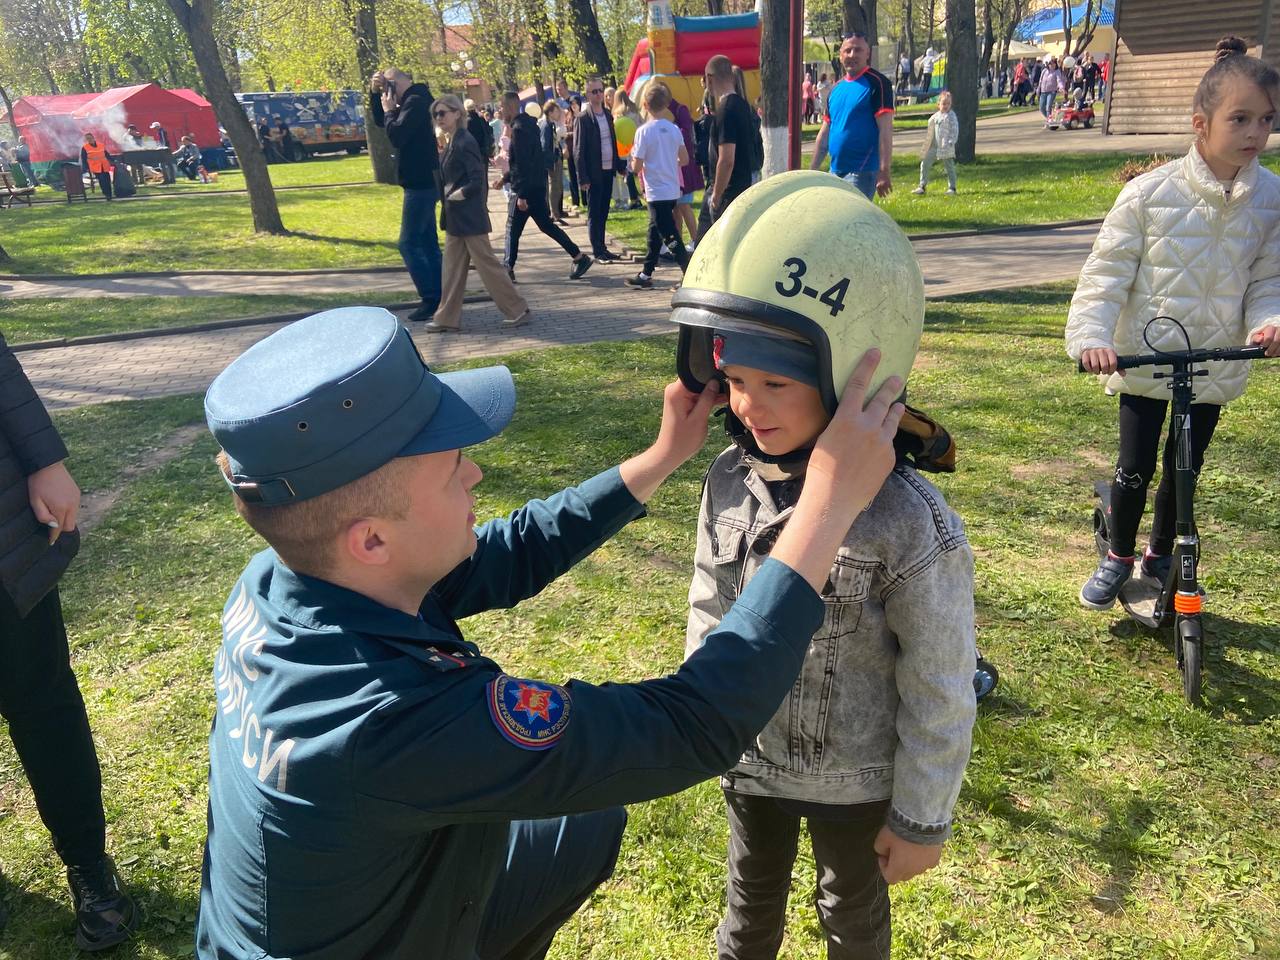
x: 804, y: 256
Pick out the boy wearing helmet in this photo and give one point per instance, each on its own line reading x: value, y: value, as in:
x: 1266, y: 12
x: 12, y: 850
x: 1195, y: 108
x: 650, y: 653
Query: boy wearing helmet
x: 871, y: 744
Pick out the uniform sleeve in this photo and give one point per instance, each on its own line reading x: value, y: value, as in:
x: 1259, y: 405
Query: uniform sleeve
x: 516, y: 557
x: 1107, y: 276
x: 931, y: 614
x: 448, y: 754
x: 706, y: 609
x: 1262, y: 297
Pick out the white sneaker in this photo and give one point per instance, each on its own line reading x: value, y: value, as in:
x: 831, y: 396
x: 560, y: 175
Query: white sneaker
x: 918, y: 191
x: 951, y: 191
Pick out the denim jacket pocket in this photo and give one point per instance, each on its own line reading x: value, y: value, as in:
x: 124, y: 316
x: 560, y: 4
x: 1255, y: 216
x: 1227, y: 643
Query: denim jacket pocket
x: 726, y: 556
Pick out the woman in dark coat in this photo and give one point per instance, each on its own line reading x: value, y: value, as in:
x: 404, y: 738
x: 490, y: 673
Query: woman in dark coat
x: 464, y: 214
x: 38, y: 693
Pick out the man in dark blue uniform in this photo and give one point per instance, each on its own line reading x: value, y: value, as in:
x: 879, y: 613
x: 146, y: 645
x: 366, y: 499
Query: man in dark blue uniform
x: 374, y: 779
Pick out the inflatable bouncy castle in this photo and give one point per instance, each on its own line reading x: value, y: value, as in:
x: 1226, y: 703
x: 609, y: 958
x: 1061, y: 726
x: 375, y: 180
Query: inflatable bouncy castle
x: 677, y: 50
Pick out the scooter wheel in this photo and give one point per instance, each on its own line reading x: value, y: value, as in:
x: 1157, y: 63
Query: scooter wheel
x: 985, y: 678
x: 1191, y: 654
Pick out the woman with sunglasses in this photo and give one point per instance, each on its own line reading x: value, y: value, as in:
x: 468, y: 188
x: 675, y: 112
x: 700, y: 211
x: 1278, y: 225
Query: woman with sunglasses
x: 464, y: 214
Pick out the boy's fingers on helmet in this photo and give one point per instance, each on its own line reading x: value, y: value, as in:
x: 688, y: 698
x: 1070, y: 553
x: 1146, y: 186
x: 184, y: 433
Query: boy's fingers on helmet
x: 879, y: 405
x: 892, y: 419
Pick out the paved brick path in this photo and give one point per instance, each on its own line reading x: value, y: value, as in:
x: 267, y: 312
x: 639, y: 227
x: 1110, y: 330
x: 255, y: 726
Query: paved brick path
x: 598, y: 307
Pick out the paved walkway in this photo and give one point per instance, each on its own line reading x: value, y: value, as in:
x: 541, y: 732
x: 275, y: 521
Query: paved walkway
x: 599, y: 307
x: 1025, y: 133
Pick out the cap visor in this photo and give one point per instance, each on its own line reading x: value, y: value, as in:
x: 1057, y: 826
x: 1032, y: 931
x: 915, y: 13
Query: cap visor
x: 475, y: 405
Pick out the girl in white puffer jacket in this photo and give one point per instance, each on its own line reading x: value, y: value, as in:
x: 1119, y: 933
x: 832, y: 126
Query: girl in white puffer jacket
x: 1198, y: 240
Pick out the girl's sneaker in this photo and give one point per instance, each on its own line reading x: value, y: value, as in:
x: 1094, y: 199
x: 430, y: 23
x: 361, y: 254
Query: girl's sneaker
x: 1100, y: 591
x: 1155, y: 566
x: 918, y: 191
x: 951, y: 191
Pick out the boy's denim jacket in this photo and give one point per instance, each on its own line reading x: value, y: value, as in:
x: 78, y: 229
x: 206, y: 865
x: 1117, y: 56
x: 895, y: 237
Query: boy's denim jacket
x: 884, y: 705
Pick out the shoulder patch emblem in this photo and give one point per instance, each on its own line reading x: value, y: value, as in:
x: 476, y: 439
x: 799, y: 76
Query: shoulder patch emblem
x: 531, y: 714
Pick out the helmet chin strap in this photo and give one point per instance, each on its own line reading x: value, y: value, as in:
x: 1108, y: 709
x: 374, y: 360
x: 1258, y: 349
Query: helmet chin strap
x: 788, y: 466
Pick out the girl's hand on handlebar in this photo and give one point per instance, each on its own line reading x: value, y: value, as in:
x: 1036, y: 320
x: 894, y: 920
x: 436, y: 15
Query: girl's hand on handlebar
x: 1268, y: 337
x: 1099, y: 360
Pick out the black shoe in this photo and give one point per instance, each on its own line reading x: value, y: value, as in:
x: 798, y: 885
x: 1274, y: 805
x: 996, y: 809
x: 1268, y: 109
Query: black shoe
x: 637, y: 205
x: 640, y: 280
x: 1156, y: 567
x: 580, y: 267
x: 608, y: 257
x: 511, y: 272
x: 1100, y: 591
x: 105, y: 913
x: 424, y: 311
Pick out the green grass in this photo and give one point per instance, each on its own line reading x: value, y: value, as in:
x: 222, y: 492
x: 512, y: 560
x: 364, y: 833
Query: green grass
x: 316, y: 172
x: 1100, y: 817
x: 48, y: 318
x: 357, y: 226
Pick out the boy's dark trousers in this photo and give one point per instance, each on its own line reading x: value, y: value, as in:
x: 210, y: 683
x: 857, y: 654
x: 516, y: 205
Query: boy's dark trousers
x: 662, y: 229
x: 852, y: 898
x: 50, y: 730
x: 599, y: 196
x: 536, y: 209
x: 1141, y: 423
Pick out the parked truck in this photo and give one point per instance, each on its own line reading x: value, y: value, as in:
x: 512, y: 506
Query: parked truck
x: 319, y: 121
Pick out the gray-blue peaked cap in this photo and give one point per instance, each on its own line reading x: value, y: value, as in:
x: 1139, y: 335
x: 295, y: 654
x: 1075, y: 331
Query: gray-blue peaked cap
x: 332, y: 397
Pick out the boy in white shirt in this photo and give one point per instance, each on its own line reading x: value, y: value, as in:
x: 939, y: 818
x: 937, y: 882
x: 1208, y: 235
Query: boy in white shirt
x: 656, y: 157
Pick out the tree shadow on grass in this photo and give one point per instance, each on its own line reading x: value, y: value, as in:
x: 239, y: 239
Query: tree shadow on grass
x: 346, y: 241
x: 43, y: 927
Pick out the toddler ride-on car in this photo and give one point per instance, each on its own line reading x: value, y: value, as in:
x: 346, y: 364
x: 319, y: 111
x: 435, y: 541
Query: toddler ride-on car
x: 1072, y: 114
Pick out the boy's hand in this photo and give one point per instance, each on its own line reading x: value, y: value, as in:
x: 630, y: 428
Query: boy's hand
x: 682, y: 434
x: 1099, y: 360
x: 901, y: 859
x: 1269, y: 337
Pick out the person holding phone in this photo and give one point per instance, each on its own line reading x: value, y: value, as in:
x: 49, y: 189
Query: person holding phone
x: 403, y: 109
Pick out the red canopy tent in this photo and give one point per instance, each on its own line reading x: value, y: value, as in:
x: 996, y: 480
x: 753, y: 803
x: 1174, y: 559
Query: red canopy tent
x: 54, y: 127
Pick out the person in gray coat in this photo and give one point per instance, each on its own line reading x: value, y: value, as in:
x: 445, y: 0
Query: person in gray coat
x: 39, y: 697
x: 464, y: 215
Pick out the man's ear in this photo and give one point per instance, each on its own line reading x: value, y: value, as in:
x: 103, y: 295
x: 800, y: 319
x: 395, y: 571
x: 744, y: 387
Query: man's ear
x: 363, y: 542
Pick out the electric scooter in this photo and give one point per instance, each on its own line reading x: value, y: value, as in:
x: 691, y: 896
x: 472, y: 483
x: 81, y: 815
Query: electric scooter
x: 1179, y: 600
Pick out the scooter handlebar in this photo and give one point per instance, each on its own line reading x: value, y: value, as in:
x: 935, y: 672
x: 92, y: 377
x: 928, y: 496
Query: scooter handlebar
x: 1129, y: 361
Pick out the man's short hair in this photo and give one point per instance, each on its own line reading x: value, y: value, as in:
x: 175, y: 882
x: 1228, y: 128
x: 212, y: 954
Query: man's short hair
x: 305, y: 534
x: 468, y: 104
x: 511, y: 96
x: 657, y: 96
x: 720, y: 67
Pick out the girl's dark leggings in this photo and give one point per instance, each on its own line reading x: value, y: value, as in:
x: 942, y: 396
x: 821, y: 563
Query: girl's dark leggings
x: 1141, y: 423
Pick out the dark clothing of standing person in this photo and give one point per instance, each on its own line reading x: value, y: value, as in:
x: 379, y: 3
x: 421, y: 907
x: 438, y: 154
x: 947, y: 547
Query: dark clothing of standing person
x: 595, y: 150
x: 39, y: 697
x: 482, y: 133
x: 852, y: 897
x: 528, y: 179
x: 409, y: 128
x: 734, y: 123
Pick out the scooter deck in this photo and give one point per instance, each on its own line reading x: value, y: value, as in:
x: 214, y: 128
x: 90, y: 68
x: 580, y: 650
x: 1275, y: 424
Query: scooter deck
x: 1139, y: 598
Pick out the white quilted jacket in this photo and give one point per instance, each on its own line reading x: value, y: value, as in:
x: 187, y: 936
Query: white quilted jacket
x: 1175, y: 245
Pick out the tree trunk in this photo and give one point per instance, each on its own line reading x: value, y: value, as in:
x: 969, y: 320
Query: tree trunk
x: 962, y: 73
x: 1066, y: 24
x: 1088, y: 27
x: 933, y: 21
x: 196, y: 21
x: 8, y: 108
x: 853, y: 17
x: 909, y: 35
x: 590, y: 42
x: 988, y: 37
x: 775, y: 60
x: 715, y: 8
x: 364, y: 27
